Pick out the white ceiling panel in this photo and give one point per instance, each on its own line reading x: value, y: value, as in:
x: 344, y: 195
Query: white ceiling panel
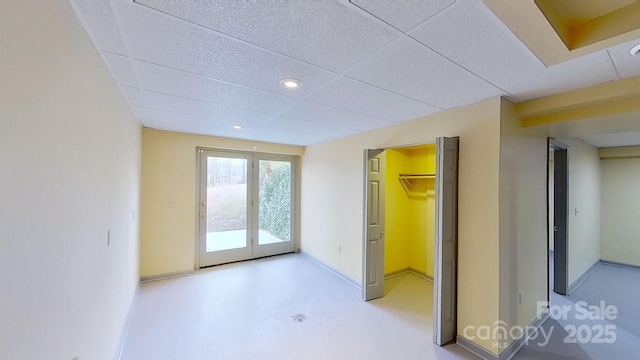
x: 613, y: 140
x: 205, y: 66
x: 325, y: 33
x: 133, y: 95
x: 470, y: 35
x: 161, y: 39
x: 169, y: 81
x: 281, y: 122
x: 403, y: 15
x: 202, y: 108
x: 96, y: 15
x: 204, y: 122
x: 327, y: 115
x: 355, y: 96
x: 411, y: 69
x: 121, y: 69
x: 627, y: 65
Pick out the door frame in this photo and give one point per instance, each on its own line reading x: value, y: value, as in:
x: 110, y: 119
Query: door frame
x: 561, y: 216
x: 252, y: 187
x: 437, y: 244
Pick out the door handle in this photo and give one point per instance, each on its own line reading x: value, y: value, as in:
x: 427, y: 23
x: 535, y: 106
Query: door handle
x: 555, y: 228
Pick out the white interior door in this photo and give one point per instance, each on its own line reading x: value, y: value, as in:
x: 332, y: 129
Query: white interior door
x: 246, y: 206
x: 445, y: 277
x: 373, y: 272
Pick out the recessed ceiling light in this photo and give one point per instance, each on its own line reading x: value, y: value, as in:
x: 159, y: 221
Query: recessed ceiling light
x: 291, y: 83
x: 635, y: 50
x: 238, y: 127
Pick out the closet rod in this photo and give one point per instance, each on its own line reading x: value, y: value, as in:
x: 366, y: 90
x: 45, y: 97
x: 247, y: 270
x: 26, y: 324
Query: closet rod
x: 416, y: 175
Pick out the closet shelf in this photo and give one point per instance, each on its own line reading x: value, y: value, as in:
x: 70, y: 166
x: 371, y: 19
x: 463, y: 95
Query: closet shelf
x: 407, y: 178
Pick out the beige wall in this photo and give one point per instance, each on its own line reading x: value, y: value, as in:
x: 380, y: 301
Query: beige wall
x: 70, y: 160
x: 333, y: 219
x: 523, y: 223
x: 620, y: 232
x: 169, y: 195
x: 584, y: 207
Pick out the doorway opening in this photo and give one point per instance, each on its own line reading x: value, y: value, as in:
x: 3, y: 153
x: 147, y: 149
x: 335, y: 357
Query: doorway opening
x: 410, y: 223
x: 246, y: 206
x: 558, y: 213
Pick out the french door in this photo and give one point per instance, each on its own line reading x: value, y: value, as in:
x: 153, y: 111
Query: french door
x: 246, y: 206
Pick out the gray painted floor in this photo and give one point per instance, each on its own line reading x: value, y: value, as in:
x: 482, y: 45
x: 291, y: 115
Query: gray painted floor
x: 250, y: 310
x: 613, y: 285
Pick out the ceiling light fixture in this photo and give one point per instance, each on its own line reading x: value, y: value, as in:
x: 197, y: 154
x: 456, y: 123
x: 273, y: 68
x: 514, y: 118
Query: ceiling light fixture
x: 291, y: 83
x: 238, y: 127
x: 635, y: 50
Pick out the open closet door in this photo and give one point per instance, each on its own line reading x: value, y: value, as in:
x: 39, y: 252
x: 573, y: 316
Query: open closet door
x: 444, y: 302
x: 373, y: 254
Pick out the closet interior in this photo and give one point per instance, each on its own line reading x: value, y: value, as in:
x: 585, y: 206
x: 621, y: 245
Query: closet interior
x: 410, y: 211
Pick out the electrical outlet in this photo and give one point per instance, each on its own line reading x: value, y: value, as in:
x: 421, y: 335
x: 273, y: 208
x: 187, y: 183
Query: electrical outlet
x: 339, y: 249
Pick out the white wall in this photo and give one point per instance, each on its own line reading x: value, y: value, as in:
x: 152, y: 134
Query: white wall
x: 584, y: 207
x: 620, y: 214
x: 70, y: 171
x: 332, y: 196
x: 523, y: 220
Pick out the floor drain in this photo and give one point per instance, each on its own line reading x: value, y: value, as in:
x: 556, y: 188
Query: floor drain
x: 299, y: 317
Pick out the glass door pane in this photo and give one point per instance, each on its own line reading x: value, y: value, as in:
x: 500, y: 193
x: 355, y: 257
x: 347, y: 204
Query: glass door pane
x: 226, y: 203
x: 274, y: 212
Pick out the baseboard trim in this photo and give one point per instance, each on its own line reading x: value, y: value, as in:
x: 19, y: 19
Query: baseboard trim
x: 511, y: 350
x: 127, y: 323
x: 619, y: 264
x: 409, y: 270
x: 342, y: 276
x: 476, y: 349
x: 146, y: 279
x: 580, y: 280
x: 521, y: 341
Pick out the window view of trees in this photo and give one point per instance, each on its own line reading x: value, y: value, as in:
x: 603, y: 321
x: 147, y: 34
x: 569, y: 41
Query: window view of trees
x: 275, y: 198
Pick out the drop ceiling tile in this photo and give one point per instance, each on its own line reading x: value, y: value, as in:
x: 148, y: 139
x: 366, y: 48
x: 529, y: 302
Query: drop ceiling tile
x: 133, y: 95
x: 628, y: 66
x: 612, y: 140
x: 469, y: 34
x: 409, y: 68
x: 174, y: 119
x: 402, y: 15
x: 164, y: 40
x: 96, y: 15
x: 355, y: 96
x: 202, y: 108
x: 291, y: 124
x: 121, y: 69
x: 142, y: 113
x: 169, y: 81
x: 325, y: 33
x: 304, y: 110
